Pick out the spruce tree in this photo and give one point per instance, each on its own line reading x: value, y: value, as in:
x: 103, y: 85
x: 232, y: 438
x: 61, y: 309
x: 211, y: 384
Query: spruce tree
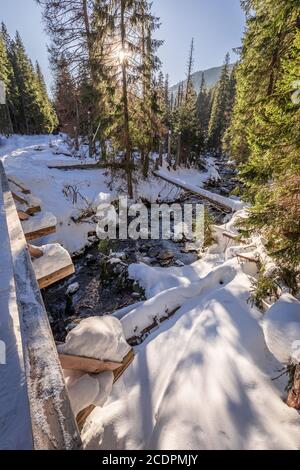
x: 185, y: 118
x: 219, y: 114
x: 5, y: 78
x: 203, y: 110
x: 265, y: 127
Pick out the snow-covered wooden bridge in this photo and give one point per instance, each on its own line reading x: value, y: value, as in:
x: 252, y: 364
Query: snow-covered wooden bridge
x: 35, y: 411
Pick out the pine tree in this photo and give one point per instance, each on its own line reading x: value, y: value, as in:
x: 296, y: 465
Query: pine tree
x: 35, y: 112
x: 66, y: 99
x: 265, y: 127
x: 185, y: 118
x: 203, y: 110
x: 219, y: 114
x: 48, y: 115
x: 5, y: 78
x: 12, y: 92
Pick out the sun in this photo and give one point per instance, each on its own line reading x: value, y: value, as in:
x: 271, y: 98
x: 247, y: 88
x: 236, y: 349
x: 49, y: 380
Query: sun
x: 122, y: 55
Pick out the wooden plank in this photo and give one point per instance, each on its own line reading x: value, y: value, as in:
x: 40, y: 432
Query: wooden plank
x: 33, y: 210
x: 53, y: 425
x: 19, y: 198
x: 15, y: 421
x: 35, y: 252
x: 56, y: 276
x: 30, y: 206
x: 84, y: 414
x: 19, y: 184
x: 22, y: 215
x: 40, y: 233
x: 87, y: 364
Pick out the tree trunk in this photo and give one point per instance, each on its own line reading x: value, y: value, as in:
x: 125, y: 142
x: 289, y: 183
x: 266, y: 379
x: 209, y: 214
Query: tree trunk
x: 178, y: 156
x: 169, y: 148
x: 127, y: 140
x: 160, y: 161
x: 294, y: 396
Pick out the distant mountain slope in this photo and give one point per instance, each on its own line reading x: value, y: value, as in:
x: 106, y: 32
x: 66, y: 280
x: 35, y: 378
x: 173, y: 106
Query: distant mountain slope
x: 211, y: 77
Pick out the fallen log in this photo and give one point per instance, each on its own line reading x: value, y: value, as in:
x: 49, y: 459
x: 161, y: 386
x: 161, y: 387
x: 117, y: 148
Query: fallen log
x: 247, y: 258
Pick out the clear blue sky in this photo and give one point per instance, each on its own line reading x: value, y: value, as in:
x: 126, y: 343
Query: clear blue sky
x: 216, y: 25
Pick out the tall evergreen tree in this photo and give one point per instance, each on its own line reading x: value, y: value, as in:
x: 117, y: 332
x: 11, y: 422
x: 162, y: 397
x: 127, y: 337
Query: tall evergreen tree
x: 203, y: 109
x: 36, y: 114
x: 219, y: 114
x: 66, y: 99
x: 5, y: 78
x: 265, y: 127
x: 185, y: 118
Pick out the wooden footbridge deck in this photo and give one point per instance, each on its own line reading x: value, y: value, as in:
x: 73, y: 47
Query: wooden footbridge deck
x: 35, y: 411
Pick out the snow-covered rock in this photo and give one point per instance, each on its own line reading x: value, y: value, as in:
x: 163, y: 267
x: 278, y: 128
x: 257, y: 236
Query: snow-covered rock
x: 282, y: 329
x: 72, y: 288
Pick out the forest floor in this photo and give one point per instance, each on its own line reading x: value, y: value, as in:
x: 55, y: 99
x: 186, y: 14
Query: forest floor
x: 202, y: 379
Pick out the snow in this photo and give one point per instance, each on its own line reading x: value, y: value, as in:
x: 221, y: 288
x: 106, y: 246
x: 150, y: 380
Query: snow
x: 54, y: 258
x: 203, y: 378
x: 282, y: 329
x: 85, y: 389
x: 165, y: 302
x: 191, y: 181
x: 39, y: 221
x: 206, y: 372
x: 97, y: 337
x: 23, y: 162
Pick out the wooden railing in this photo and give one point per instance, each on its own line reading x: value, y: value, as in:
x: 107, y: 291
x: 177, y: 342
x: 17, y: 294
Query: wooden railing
x: 35, y: 411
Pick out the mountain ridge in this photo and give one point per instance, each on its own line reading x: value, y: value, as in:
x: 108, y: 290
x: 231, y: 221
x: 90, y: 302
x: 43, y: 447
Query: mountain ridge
x: 211, y: 75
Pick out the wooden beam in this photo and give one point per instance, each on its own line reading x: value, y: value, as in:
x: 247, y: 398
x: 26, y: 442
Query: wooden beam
x: 22, y: 215
x: 87, y: 364
x: 84, y: 414
x: 19, y: 198
x: 19, y: 184
x: 30, y: 206
x: 43, y: 232
x: 33, y: 210
x: 35, y: 252
x: 56, y: 276
x: 50, y: 418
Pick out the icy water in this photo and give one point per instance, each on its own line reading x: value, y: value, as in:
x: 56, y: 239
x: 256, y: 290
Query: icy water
x: 104, y: 286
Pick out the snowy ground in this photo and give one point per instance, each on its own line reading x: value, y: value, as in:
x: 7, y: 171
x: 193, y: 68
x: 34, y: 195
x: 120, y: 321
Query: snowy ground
x: 28, y: 157
x: 203, y: 378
